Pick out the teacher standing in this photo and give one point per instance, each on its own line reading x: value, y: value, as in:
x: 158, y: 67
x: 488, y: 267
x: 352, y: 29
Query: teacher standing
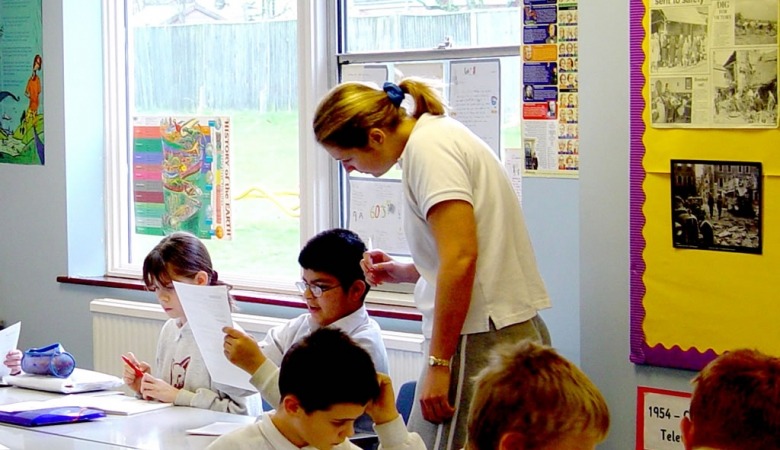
x: 477, y: 284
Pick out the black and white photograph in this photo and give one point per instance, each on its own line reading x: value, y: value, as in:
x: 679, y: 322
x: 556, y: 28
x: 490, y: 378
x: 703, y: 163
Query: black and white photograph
x: 678, y: 40
x: 755, y: 22
x: 670, y: 100
x: 745, y: 84
x: 716, y: 205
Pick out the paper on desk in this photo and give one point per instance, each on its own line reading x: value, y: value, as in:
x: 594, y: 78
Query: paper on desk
x: 123, y: 405
x: 216, y: 428
x: 9, y: 339
x: 117, y: 403
x: 208, y: 311
x: 24, y: 406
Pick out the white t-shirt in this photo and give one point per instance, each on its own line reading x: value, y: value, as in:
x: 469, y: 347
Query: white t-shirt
x: 359, y: 326
x: 263, y: 435
x: 443, y: 160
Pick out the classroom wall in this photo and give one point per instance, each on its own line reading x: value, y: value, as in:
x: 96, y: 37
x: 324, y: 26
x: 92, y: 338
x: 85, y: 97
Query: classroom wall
x: 604, y: 269
x: 52, y: 215
x: 583, y: 257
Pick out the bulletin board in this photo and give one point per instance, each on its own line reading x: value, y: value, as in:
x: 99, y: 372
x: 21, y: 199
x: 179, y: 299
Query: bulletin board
x: 695, y: 295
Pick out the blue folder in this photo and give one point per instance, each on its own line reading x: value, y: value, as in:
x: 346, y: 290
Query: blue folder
x: 51, y: 416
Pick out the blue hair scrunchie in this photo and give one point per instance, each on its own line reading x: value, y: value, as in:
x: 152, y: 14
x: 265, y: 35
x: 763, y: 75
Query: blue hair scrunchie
x: 393, y: 92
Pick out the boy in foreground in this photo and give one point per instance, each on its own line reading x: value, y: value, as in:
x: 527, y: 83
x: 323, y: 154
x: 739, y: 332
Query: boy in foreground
x: 735, y: 404
x: 326, y: 382
x: 531, y: 398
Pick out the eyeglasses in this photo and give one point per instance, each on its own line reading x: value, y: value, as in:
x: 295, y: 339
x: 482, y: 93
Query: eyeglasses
x: 316, y: 291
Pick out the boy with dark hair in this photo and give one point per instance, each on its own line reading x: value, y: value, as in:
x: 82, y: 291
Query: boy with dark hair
x: 531, y: 398
x: 735, y: 404
x: 334, y: 288
x: 326, y: 382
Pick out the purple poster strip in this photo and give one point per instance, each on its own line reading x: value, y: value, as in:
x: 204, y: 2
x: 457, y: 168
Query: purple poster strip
x: 641, y: 353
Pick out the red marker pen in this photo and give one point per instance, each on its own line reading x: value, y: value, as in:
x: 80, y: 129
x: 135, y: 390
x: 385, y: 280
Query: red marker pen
x: 138, y: 372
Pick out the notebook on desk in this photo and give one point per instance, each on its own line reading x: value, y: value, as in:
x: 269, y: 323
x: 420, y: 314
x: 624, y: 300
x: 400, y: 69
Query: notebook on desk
x: 50, y: 416
x: 116, y: 403
x: 81, y: 380
x: 120, y: 404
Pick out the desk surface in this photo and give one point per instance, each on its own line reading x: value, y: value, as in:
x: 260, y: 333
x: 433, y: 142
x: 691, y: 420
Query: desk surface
x: 27, y: 439
x: 159, y: 429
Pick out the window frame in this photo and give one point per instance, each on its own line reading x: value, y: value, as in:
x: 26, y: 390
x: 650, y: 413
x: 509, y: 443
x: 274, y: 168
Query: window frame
x: 321, y: 31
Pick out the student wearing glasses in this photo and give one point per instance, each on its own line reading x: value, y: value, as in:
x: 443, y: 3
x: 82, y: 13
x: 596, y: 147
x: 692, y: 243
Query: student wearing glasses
x: 334, y: 287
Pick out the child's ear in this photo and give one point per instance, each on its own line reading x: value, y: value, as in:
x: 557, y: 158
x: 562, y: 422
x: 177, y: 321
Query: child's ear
x: 686, y: 427
x: 201, y: 278
x: 357, y: 290
x: 511, y: 441
x: 291, y: 405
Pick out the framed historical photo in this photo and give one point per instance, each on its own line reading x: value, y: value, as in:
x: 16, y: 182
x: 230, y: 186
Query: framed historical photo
x: 716, y: 205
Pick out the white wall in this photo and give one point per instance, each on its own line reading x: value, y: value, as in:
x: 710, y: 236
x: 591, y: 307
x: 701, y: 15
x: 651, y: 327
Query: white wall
x: 604, y: 269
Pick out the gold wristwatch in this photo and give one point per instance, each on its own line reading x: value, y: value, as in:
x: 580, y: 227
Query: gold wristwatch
x: 434, y: 361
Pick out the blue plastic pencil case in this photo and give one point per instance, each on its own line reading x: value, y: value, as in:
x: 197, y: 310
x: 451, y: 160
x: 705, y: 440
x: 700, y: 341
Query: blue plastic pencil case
x: 51, y: 416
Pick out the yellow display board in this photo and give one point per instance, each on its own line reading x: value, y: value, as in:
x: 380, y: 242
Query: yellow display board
x: 692, y: 302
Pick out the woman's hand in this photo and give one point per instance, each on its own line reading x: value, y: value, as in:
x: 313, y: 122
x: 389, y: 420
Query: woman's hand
x: 242, y: 350
x: 380, y: 268
x: 434, y: 398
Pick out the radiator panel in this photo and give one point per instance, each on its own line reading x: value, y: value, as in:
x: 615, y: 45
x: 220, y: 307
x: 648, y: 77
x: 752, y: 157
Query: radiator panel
x: 120, y: 326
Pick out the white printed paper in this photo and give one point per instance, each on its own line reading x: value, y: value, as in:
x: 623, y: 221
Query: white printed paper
x: 208, y: 311
x: 216, y: 428
x: 9, y: 339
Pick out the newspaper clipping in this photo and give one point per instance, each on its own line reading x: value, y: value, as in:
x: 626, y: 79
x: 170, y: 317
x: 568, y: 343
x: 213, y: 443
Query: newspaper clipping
x: 713, y: 63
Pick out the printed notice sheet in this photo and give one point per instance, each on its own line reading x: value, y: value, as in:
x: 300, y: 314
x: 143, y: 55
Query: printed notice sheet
x: 208, y: 311
x: 713, y: 64
x: 9, y: 339
x: 375, y: 213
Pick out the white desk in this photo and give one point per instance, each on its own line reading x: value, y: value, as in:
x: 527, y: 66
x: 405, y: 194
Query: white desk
x: 28, y: 439
x: 160, y: 429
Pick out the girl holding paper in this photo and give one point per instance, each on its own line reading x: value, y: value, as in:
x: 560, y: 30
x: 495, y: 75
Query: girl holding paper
x: 180, y: 376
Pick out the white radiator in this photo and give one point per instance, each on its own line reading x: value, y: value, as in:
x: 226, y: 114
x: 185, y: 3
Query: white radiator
x: 119, y: 326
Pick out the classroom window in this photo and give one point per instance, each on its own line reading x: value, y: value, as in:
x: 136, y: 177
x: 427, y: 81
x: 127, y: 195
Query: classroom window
x: 237, y: 62
x: 235, y: 65
x: 383, y: 40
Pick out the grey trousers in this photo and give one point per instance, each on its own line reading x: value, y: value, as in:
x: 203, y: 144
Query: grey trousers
x: 470, y: 357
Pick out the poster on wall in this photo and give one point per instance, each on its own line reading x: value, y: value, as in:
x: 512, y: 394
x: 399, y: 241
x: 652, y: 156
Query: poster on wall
x: 699, y: 255
x: 550, y: 87
x: 21, y: 83
x: 475, y: 90
x: 713, y: 64
x: 367, y: 73
x: 658, y: 416
x: 375, y: 213
x: 181, y: 176
x: 716, y: 205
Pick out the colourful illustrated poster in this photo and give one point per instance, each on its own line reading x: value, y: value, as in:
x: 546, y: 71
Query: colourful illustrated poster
x: 550, y: 87
x: 21, y: 83
x: 181, y: 176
